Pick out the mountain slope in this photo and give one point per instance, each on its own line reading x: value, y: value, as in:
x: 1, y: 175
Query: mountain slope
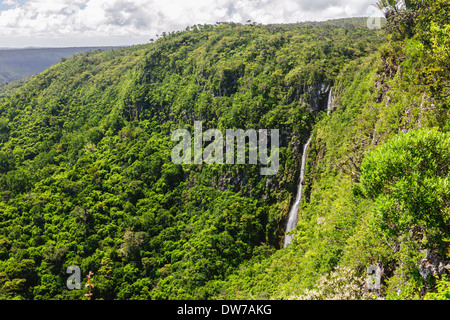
x: 87, y: 179
x: 86, y: 176
x: 377, y: 191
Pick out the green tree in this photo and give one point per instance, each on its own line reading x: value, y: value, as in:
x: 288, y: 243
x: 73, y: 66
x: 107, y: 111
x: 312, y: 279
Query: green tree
x: 408, y: 177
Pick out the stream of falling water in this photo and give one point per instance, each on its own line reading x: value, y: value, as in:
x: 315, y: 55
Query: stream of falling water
x: 293, y: 213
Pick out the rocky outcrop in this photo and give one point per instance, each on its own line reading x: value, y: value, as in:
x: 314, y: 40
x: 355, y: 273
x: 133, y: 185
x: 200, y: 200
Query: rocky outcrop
x: 433, y: 265
x: 316, y: 96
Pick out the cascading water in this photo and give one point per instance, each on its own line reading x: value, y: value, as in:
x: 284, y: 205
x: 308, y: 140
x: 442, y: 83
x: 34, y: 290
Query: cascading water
x: 330, y: 101
x: 293, y: 213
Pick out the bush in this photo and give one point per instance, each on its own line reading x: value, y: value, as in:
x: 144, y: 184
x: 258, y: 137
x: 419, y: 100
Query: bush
x: 443, y: 290
x: 408, y: 177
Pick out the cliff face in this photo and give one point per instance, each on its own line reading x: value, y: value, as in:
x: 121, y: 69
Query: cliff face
x: 315, y: 96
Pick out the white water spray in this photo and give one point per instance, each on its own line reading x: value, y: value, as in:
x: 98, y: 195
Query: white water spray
x: 330, y: 101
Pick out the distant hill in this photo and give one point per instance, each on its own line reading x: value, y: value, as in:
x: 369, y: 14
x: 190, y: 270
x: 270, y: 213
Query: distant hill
x: 17, y: 64
x: 360, y: 22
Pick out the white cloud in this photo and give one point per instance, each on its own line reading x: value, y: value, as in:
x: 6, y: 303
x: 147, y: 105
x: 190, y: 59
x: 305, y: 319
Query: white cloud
x: 10, y: 2
x: 142, y: 19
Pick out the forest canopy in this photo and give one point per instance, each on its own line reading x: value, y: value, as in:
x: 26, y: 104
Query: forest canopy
x: 86, y: 176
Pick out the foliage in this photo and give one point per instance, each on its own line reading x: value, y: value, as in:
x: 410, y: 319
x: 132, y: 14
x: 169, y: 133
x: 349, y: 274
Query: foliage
x: 385, y: 140
x: 86, y: 176
x: 442, y: 292
x: 409, y: 177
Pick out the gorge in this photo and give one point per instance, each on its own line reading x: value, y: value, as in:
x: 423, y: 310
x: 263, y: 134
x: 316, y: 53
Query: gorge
x: 87, y: 178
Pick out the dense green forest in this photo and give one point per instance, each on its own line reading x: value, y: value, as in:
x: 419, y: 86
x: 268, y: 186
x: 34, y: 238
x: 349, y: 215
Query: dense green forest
x: 86, y: 176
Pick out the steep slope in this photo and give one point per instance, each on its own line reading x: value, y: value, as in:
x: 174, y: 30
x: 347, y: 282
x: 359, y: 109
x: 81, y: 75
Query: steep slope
x: 86, y: 176
x: 377, y: 179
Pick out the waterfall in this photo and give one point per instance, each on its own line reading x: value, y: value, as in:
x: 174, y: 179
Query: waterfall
x: 293, y: 213
x: 330, y: 101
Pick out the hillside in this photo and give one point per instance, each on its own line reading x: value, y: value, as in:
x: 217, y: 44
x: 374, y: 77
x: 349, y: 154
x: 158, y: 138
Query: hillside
x: 377, y: 180
x: 87, y: 178
x: 17, y: 64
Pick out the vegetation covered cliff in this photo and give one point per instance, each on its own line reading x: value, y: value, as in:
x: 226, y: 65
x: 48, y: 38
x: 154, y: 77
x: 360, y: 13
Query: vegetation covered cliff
x: 86, y: 176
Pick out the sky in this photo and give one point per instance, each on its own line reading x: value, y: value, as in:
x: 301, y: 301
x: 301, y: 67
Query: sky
x: 73, y: 23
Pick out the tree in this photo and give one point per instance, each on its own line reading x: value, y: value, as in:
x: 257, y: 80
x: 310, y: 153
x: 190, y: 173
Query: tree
x: 409, y: 177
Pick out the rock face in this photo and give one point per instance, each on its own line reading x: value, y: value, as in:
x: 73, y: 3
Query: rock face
x: 433, y: 265
x: 318, y: 96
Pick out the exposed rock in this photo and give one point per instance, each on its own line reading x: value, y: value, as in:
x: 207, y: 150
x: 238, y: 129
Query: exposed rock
x: 318, y: 96
x: 433, y: 265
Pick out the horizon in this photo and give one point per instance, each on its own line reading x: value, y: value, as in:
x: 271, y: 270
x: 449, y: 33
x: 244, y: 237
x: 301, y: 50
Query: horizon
x: 69, y: 47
